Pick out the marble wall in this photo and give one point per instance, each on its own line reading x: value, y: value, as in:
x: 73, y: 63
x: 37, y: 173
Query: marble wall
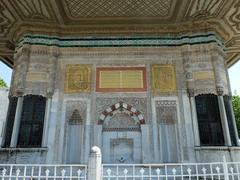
x: 158, y: 118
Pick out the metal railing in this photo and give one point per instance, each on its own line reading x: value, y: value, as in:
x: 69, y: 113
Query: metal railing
x: 42, y: 171
x: 178, y: 171
x: 198, y: 171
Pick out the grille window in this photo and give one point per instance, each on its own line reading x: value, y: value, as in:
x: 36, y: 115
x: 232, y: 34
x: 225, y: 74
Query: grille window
x: 32, y: 120
x: 209, y: 122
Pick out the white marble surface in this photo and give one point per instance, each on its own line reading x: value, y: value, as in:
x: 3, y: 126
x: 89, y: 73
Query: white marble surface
x: 3, y: 110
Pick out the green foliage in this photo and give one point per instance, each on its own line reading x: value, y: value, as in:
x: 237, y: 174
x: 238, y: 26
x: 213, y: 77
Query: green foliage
x: 236, y: 109
x: 2, y: 83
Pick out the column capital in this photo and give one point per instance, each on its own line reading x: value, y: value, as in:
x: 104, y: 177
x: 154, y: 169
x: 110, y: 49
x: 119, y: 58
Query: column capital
x: 220, y: 90
x: 19, y: 92
x: 190, y: 92
x: 50, y: 93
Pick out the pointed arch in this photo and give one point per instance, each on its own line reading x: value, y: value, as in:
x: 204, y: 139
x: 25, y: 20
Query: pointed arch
x: 121, y: 105
x: 75, y: 118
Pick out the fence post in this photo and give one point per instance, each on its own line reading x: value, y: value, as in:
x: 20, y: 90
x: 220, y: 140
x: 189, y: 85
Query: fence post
x: 95, y: 164
x: 225, y: 168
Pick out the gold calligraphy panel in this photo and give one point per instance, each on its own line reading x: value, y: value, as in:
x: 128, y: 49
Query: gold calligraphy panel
x: 77, y: 78
x: 163, y: 78
x: 121, y: 79
x: 203, y: 75
x: 37, y: 77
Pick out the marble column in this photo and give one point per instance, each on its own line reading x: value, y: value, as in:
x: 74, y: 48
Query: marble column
x: 223, y: 115
x: 50, y: 90
x: 146, y: 155
x: 190, y: 89
x: 194, y: 117
x: 155, y: 142
x: 17, y: 121
x: 218, y: 64
x: 97, y: 138
x: 87, y: 142
x: 46, y: 120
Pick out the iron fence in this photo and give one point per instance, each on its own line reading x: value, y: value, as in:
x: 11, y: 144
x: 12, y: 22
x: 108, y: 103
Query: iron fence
x: 42, y: 171
x: 171, y: 171
x: 196, y: 171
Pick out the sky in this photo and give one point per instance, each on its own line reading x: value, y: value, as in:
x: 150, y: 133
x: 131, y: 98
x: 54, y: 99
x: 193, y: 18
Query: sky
x: 5, y: 73
x: 234, y: 75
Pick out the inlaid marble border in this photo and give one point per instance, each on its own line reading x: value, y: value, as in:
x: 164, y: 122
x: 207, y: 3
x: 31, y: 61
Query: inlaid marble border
x: 120, y: 41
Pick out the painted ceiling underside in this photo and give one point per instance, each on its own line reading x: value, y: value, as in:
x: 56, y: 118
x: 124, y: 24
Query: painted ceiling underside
x: 118, y: 17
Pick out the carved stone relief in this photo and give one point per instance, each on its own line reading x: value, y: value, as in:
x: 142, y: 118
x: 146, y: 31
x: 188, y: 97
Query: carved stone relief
x: 167, y: 119
x: 166, y: 112
x: 34, y: 73
x: 120, y: 17
x: 121, y: 120
x: 39, y: 76
x: 75, y: 118
x: 76, y: 111
x: 20, y: 72
x: 200, y: 75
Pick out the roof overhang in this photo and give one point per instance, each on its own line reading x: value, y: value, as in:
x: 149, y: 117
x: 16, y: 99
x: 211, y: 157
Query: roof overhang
x: 119, y: 18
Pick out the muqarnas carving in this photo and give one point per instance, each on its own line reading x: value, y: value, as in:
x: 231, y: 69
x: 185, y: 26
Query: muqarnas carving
x: 77, y: 78
x: 166, y: 112
x: 163, y: 78
x: 76, y: 112
x: 75, y: 118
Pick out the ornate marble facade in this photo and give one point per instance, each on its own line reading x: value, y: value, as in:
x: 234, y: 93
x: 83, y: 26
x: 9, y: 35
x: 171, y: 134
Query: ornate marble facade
x: 134, y: 98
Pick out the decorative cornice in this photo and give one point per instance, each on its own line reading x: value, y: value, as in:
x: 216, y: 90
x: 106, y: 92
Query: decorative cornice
x: 120, y: 41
